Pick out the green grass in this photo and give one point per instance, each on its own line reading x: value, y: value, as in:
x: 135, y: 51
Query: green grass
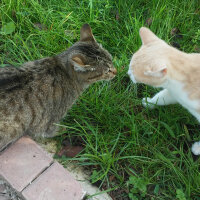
x: 121, y: 138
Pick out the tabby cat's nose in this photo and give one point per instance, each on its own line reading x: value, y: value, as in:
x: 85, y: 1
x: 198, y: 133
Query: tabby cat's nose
x: 114, y: 71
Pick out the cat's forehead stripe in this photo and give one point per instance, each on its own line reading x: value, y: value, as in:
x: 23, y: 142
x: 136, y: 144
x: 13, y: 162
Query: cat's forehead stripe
x: 88, y: 50
x: 92, y: 51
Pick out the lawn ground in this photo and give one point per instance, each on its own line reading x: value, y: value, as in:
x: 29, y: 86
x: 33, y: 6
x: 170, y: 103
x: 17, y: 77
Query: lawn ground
x: 133, y: 152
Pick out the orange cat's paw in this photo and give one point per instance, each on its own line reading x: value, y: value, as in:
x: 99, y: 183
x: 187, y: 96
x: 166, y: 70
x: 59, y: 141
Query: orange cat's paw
x: 196, y: 148
x: 147, y: 103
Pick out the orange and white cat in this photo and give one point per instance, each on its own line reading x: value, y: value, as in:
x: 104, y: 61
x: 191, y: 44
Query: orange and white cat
x: 160, y: 65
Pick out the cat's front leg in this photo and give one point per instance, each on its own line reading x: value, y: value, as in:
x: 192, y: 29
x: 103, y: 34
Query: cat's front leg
x: 51, y: 131
x: 162, y: 98
x: 196, y: 148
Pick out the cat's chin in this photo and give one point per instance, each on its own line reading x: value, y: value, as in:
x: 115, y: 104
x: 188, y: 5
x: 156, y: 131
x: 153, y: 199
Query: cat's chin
x: 108, y: 79
x: 99, y: 80
x: 104, y: 78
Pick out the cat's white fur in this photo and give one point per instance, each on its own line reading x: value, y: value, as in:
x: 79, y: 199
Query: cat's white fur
x: 159, y: 72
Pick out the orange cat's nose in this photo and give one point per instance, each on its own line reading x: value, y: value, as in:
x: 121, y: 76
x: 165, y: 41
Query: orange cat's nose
x: 114, y: 71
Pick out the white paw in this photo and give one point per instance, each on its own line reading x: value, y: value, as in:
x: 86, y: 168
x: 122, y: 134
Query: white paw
x: 196, y: 148
x: 146, y: 102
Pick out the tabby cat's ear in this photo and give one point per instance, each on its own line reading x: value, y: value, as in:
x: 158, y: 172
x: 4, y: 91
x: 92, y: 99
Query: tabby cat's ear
x: 86, y: 33
x: 159, y: 72
x: 78, y: 63
x: 147, y: 36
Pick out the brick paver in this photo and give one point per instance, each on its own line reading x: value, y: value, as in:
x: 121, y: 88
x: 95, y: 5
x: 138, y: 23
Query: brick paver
x: 54, y: 184
x: 34, y: 175
x: 22, y: 162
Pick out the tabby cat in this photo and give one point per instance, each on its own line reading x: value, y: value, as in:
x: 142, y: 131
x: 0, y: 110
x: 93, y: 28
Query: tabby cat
x: 38, y: 94
x: 178, y: 73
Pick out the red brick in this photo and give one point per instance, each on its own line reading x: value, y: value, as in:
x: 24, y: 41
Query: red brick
x: 22, y: 162
x: 55, y: 183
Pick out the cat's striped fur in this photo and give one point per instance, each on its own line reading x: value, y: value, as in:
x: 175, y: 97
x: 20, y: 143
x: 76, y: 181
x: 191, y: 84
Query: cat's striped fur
x: 38, y: 94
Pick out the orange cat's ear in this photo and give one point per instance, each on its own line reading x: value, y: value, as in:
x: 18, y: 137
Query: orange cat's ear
x: 86, y: 33
x: 159, y: 73
x: 147, y: 36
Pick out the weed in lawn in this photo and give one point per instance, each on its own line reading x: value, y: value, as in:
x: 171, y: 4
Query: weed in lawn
x: 180, y: 194
x: 137, y: 187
